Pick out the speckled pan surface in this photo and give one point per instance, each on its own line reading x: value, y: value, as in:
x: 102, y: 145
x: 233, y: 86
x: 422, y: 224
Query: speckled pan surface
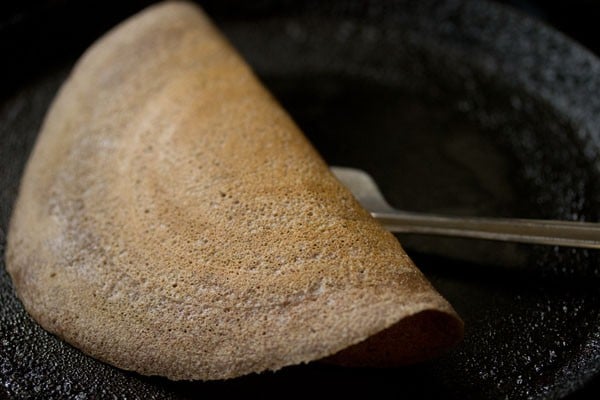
x: 476, y: 109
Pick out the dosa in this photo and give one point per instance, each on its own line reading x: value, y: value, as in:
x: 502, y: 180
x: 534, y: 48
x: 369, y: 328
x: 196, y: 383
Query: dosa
x: 173, y: 220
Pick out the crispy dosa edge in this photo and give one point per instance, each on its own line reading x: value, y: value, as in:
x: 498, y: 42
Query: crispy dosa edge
x: 104, y: 300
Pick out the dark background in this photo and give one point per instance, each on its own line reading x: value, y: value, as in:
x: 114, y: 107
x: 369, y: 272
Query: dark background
x: 33, y: 33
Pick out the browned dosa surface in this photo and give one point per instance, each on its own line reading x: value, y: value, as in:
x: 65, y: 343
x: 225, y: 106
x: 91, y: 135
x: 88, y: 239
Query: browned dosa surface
x: 173, y: 220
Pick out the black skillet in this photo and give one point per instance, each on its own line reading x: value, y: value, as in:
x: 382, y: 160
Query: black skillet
x: 462, y: 107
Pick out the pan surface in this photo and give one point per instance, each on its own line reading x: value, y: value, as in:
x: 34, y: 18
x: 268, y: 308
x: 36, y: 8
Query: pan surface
x: 461, y: 107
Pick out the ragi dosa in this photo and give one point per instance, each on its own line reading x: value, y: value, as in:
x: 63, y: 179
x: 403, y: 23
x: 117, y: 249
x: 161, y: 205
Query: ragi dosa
x: 173, y: 220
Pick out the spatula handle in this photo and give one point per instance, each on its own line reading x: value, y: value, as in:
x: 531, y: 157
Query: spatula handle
x: 550, y: 232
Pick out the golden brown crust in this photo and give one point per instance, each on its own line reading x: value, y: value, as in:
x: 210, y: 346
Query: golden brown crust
x: 174, y: 221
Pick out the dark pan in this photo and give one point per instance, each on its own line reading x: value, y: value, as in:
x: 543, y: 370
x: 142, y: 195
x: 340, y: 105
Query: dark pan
x: 462, y: 107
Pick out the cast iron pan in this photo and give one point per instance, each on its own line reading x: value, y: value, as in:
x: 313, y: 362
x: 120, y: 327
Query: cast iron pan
x: 462, y: 107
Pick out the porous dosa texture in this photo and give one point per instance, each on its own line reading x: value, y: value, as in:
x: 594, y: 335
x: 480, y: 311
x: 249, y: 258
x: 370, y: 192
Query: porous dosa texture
x: 174, y: 221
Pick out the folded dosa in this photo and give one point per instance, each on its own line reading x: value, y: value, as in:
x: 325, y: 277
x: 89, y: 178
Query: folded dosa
x: 174, y: 221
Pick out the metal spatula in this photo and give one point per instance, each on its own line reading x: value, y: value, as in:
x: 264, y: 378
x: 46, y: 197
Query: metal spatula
x: 551, y: 232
